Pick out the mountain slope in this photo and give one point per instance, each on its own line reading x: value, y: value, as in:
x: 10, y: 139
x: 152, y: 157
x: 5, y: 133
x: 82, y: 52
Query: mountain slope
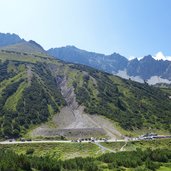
x: 132, y: 104
x: 28, y: 95
x: 107, y: 63
x: 9, y: 39
x: 30, y: 47
x: 31, y: 93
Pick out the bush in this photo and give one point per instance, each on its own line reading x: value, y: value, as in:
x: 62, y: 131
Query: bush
x: 30, y: 151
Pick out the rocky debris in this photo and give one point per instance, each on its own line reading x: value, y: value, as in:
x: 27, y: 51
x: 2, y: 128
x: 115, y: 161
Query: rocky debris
x: 29, y: 74
x: 73, y: 122
x: 68, y: 93
x: 68, y: 133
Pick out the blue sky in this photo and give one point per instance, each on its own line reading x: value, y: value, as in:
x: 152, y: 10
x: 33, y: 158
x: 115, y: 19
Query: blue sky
x: 129, y: 27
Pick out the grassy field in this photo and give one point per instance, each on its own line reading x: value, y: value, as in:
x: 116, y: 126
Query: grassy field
x: 57, y: 150
x: 12, y: 101
x: 153, y: 144
x: 65, y: 151
x: 71, y: 150
x: 164, y: 168
x: 166, y: 90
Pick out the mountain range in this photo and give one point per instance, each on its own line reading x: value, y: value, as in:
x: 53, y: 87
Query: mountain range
x: 146, y: 69
x: 73, y: 99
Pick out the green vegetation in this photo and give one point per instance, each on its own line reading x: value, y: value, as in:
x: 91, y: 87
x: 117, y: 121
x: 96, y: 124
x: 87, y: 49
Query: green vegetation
x: 166, y: 90
x: 12, y: 101
x: 61, y: 151
x: 141, y: 155
x: 131, y: 104
x: 133, y: 145
x: 134, y: 160
x: 71, y: 150
x: 26, y: 97
x: 30, y: 94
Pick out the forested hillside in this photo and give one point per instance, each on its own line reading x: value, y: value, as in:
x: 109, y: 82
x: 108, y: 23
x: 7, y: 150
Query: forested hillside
x: 30, y: 94
x: 134, y: 160
x: 133, y: 105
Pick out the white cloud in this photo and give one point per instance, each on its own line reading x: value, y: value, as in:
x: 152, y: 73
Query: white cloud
x: 160, y: 56
x: 133, y: 57
x: 169, y: 58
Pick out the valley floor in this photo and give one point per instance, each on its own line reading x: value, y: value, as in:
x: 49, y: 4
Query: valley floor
x: 99, y: 153
x: 70, y: 149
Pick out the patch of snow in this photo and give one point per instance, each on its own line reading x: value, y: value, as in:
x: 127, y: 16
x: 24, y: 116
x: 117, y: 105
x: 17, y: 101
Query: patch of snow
x: 152, y: 81
x: 124, y: 74
x: 156, y: 79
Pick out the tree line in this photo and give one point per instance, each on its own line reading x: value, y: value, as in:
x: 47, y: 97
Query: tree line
x: 137, y: 160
